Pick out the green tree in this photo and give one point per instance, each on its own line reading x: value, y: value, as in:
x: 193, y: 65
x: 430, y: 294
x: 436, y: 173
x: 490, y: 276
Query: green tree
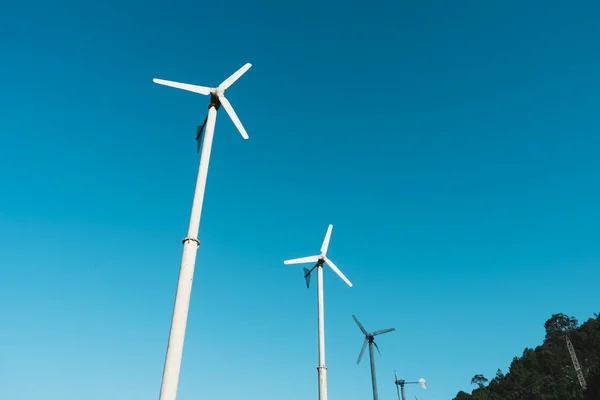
x: 462, y: 396
x: 479, y: 380
x: 593, y: 389
x: 558, y: 325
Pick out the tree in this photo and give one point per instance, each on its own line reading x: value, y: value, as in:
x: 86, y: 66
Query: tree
x: 559, y: 324
x: 462, y: 396
x: 593, y: 390
x: 499, y: 375
x: 479, y: 380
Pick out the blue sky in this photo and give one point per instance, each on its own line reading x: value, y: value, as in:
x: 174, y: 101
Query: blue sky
x: 453, y: 147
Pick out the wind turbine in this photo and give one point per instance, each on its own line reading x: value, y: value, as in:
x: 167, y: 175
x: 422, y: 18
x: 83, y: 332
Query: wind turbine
x: 170, y: 378
x: 401, y: 382
x: 370, y: 339
x: 320, y: 260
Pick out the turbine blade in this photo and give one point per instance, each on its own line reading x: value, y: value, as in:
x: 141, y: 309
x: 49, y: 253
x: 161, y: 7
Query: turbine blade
x: 383, y: 331
x: 302, y: 260
x: 325, y: 244
x: 185, y: 86
x: 337, y: 271
x: 364, y: 346
x: 236, y: 121
x: 396, y: 382
x: 307, y: 277
x: 234, y: 77
x: 362, y: 328
x: 377, y: 347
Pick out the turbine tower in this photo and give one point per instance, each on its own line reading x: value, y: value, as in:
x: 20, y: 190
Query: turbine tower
x: 170, y: 378
x: 370, y: 339
x: 320, y: 260
x: 401, y: 382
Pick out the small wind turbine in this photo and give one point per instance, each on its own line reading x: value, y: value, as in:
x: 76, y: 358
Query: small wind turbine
x: 170, y: 378
x: 320, y: 260
x: 401, y: 382
x: 370, y: 339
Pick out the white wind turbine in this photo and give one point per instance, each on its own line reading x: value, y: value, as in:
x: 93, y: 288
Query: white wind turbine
x: 320, y: 260
x: 401, y: 382
x: 170, y: 378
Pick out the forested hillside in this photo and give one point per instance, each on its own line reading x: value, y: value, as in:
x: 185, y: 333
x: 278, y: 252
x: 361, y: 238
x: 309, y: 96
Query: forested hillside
x: 547, y: 372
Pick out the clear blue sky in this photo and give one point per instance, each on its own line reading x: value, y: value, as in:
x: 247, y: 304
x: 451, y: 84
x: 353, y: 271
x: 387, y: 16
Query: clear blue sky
x: 454, y: 148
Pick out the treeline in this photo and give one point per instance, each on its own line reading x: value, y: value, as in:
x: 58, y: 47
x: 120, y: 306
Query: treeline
x: 547, y: 372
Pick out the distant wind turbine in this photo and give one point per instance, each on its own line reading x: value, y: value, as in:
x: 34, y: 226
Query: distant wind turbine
x: 401, y: 382
x: 320, y: 260
x: 370, y: 340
